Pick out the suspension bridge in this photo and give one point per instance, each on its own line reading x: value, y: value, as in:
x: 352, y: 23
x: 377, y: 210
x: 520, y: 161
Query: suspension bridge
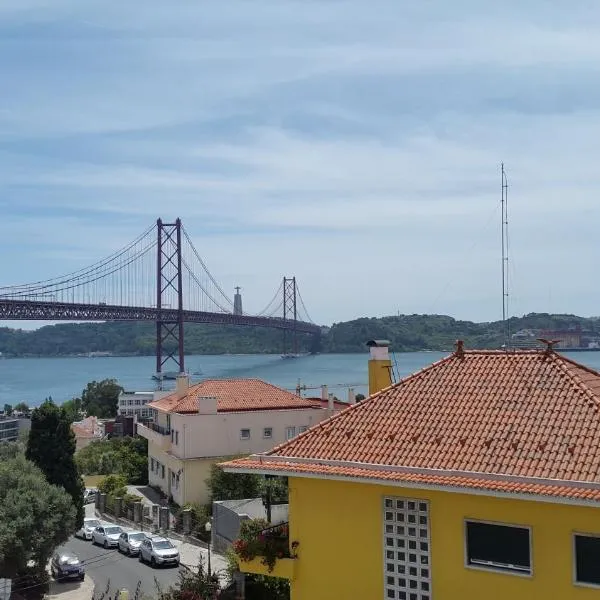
x: 158, y: 277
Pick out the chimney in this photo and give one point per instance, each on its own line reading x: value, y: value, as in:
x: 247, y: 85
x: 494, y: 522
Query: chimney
x: 207, y: 405
x: 182, y: 384
x: 351, y: 396
x: 324, y: 394
x: 330, y: 405
x: 380, y: 366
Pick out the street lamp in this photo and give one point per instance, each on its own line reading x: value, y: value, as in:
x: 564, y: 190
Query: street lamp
x: 208, y: 529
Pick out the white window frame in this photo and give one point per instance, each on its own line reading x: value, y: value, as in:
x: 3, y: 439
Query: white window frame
x: 270, y: 433
x: 498, y: 569
x: 242, y: 434
x: 574, y: 554
x: 292, y: 429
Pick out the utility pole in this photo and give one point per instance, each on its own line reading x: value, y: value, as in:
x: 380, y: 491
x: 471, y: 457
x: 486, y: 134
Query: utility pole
x: 504, y: 211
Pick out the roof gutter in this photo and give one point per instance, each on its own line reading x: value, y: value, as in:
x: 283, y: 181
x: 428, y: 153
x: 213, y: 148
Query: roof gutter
x: 273, y: 459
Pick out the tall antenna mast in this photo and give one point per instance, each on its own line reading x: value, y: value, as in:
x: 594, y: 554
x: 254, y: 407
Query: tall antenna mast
x: 505, y: 322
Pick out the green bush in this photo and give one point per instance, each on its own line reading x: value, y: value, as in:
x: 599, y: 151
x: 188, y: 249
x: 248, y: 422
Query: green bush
x: 113, y: 485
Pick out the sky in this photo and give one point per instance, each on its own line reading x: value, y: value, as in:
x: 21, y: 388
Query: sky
x: 356, y: 145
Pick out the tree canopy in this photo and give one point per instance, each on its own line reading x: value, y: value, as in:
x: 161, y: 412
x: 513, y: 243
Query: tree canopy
x: 126, y: 456
x: 101, y: 398
x: 51, y: 446
x: 233, y: 486
x: 72, y: 409
x: 237, y: 486
x: 35, y: 516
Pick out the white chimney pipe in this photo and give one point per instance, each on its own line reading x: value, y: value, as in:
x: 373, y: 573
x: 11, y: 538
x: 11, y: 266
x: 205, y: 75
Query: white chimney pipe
x: 324, y: 394
x: 330, y: 405
x: 182, y: 385
x: 351, y: 396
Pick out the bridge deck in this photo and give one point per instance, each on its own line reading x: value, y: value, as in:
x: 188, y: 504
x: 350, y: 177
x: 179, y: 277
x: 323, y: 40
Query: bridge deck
x: 31, y: 310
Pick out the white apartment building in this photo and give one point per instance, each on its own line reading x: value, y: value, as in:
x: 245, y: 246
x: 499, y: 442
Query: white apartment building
x: 135, y: 404
x: 196, y: 426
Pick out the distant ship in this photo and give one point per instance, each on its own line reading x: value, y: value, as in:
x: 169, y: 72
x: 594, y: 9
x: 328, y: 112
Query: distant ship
x: 166, y: 375
x: 292, y: 355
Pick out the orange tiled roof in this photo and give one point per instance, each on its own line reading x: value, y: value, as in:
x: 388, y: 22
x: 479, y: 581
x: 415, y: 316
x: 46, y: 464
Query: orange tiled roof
x: 528, y: 415
x: 234, y: 395
x: 82, y: 432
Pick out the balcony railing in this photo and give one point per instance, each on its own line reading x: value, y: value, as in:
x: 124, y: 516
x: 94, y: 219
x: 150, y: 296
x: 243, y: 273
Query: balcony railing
x: 161, y: 436
x: 158, y: 428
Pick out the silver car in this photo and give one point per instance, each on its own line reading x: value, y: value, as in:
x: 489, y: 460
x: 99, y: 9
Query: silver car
x: 88, y: 528
x: 159, y: 551
x: 107, y: 535
x: 130, y: 541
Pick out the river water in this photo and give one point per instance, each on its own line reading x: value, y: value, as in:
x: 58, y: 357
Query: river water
x: 33, y: 379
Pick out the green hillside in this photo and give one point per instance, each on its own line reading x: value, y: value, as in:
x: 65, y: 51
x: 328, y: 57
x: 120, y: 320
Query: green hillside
x: 406, y: 332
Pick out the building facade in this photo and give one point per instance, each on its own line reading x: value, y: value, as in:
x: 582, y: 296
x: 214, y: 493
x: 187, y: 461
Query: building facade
x: 195, y: 426
x: 477, y: 477
x: 135, y: 404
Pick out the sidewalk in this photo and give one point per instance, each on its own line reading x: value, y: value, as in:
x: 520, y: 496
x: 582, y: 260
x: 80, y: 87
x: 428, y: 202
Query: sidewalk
x: 71, y: 590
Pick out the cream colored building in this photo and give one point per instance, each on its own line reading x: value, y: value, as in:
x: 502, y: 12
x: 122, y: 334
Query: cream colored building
x: 196, y: 426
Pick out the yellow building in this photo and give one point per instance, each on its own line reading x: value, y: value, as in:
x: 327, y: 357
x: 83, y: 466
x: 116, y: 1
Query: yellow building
x: 477, y: 477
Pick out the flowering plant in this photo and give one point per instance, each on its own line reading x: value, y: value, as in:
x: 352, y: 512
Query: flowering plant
x: 270, y: 543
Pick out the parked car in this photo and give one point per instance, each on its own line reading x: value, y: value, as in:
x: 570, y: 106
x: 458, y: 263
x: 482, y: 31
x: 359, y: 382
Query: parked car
x: 106, y: 535
x: 89, y: 495
x: 65, y: 565
x: 159, y: 551
x: 130, y: 542
x: 88, y: 528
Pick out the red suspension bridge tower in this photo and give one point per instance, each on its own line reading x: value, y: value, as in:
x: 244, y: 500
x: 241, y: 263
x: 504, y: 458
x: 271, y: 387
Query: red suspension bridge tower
x: 169, y: 287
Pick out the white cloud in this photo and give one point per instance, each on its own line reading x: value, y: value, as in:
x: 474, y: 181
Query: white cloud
x: 347, y: 144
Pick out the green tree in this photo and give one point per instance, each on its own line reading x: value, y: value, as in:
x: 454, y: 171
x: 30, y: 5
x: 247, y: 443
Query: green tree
x: 8, y: 409
x: 199, y: 585
x: 359, y: 397
x: 233, y: 486
x: 112, y: 484
x: 51, y: 446
x: 35, y: 516
x: 124, y: 456
x: 72, y: 409
x: 101, y: 398
x: 22, y: 407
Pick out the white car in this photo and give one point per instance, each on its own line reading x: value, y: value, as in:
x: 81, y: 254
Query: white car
x: 130, y: 541
x: 107, y: 535
x: 88, y: 527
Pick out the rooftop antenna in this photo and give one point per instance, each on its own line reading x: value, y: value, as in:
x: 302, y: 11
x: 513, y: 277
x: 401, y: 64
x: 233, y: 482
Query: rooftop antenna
x: 505, y: 321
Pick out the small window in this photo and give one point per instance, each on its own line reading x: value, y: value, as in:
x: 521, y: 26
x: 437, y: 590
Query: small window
x: 302, y: 428
x: 499, y: 547
x: 177, y: 438
x: 162, y: 471
x: 587, y: 563
x: 290, y: 432
x: 244, y: 434
x: 267, y: 433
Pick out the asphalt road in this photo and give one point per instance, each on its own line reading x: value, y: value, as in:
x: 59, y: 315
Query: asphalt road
x: 121, y: 571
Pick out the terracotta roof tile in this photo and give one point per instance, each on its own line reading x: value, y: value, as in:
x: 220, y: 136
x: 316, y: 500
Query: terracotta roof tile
x: 480, y: 482
x: 521, y: 414
x: 235, y: 395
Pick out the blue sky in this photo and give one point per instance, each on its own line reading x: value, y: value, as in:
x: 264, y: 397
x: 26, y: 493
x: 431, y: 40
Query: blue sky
x: 355, y: 145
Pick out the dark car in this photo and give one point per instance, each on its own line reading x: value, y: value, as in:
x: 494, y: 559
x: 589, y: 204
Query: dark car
x: 65, y: 565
